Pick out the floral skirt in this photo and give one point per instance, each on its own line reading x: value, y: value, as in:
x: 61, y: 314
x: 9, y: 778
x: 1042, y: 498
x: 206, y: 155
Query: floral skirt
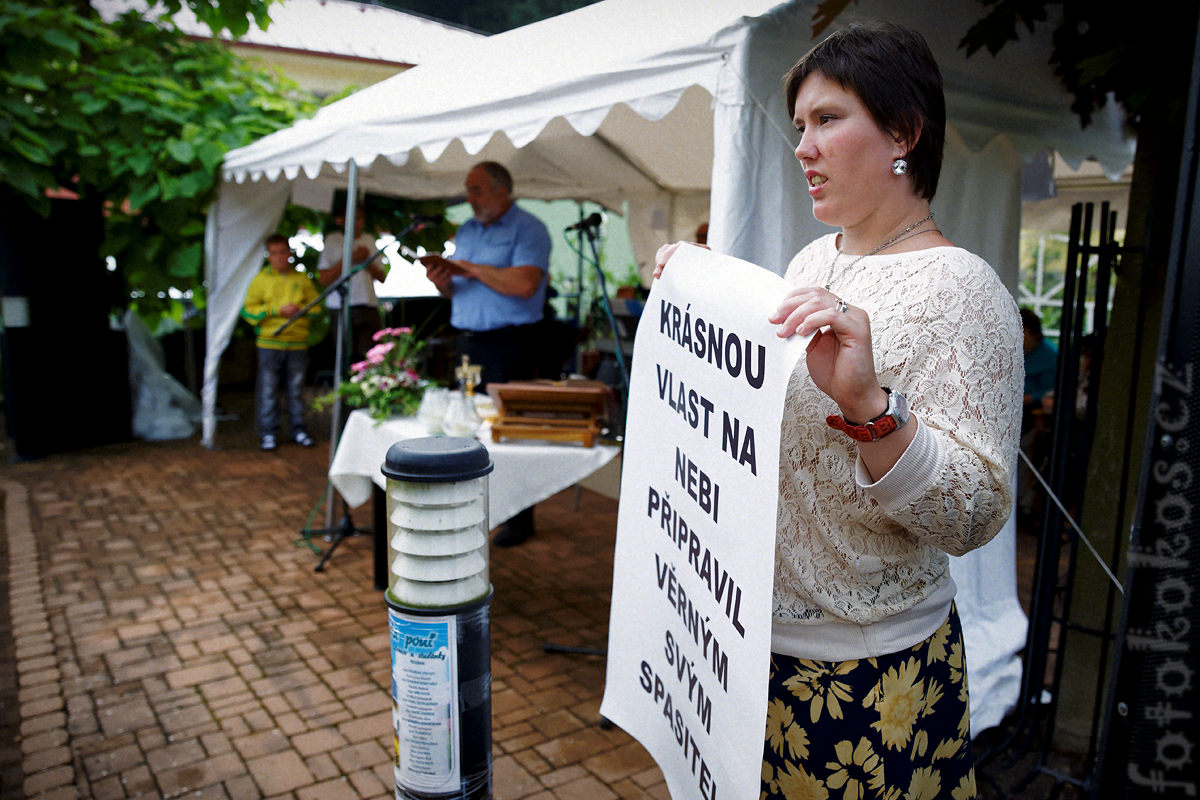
x: 895, y: 727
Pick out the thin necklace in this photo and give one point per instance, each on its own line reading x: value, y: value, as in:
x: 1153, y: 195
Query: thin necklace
x: 884, y: 246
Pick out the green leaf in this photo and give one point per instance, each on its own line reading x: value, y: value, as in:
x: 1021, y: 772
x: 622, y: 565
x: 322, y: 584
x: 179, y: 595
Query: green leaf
x: 36, y: 152
x: 185, y: 263
x: 211, y: 154
x: 140, y: 162
x: 61, y: 40
x: 132, y: 105
x: 181, y: 151
x: 142, y: 194
x: 168, y: 185
x: 89, y: 104
x: 24, y: 81
x: 195, y: 183
x: 18, y: 175
x: 194, y: 227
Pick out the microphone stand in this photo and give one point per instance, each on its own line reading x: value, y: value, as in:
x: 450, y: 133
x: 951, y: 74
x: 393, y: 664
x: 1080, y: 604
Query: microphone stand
x: 590, y: 232
x: 345, y: 528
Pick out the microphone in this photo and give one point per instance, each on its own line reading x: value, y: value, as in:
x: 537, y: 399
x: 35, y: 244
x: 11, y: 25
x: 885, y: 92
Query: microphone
x: 422, y: 221
x: 591, y: 222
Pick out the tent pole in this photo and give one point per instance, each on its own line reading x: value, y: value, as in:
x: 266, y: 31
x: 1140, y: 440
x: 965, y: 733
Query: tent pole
x: 343, y: 323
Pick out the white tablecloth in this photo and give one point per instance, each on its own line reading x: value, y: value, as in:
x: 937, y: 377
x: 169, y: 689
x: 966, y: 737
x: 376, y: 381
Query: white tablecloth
x: 525, y: 472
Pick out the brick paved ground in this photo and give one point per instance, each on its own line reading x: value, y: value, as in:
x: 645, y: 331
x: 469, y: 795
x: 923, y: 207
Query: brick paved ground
x: 170, y: 639
x: 162, y: 635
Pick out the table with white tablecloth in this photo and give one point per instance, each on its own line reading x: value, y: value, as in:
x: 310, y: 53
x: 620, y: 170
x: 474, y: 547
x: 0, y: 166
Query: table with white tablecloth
x: 524, y: 472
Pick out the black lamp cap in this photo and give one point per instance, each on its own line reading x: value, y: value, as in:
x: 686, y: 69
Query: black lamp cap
x: 436, y: 459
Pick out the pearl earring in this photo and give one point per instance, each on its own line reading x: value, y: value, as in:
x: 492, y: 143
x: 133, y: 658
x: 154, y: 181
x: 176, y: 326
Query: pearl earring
x: 900, y: 166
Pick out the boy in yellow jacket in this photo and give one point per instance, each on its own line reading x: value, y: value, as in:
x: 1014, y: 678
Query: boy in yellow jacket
x: 275, y: 295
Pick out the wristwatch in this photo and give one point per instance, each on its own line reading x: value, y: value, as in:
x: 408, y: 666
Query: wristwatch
x: 892, y: 419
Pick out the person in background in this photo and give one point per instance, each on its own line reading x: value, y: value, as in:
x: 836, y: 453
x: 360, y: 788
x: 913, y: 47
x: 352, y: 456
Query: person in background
x: 899, y: 438
x: 276, y: 294
x: 1041, y: 360
x: 496, y: 282
x: 364, y: 305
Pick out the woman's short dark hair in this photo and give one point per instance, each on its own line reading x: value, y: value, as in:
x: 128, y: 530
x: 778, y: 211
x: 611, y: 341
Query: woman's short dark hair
x: 891, y: 70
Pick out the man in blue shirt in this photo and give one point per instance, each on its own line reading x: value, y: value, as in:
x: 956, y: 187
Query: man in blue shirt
x: 496, y: 283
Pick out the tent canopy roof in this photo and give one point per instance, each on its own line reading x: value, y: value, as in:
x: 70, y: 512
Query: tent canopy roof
x: 614, y: 100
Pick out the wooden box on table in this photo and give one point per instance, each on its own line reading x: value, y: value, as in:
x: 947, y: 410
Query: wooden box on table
x: 556, y: 411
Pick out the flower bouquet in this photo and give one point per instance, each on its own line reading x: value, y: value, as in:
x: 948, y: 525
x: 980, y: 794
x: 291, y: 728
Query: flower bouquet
x: 386, y: 382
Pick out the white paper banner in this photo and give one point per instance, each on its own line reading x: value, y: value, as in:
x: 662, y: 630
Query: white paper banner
x: 690, y: 633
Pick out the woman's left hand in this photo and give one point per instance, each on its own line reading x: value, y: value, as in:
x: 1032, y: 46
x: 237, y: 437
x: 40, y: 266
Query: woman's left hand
x: 839, y: 355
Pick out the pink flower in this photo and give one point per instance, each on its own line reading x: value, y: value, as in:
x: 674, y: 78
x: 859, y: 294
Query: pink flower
x: 359, y: 366
x: 382, y: 332
x: 377, y: 353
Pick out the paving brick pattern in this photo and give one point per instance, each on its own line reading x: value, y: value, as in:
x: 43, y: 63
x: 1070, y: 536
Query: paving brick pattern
x: 169, y: 638
x: 162, y: 635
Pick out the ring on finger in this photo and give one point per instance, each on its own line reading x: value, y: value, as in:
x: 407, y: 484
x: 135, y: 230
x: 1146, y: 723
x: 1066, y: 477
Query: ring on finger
x: 842, y: 305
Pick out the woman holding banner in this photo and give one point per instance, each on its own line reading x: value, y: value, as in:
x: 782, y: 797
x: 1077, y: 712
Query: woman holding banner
x: 899, y: 438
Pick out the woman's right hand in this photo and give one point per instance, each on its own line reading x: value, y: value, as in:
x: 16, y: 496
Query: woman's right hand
x: 666, y: 251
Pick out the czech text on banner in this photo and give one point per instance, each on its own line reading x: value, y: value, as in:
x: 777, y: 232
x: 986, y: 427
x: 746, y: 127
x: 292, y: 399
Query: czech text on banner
x: 690, y: 629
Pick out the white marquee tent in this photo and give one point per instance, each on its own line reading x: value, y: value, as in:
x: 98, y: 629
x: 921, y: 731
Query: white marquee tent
x: 671, y: 106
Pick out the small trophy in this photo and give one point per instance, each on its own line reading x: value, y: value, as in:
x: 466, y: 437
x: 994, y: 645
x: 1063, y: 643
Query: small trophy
x: 468, y: 375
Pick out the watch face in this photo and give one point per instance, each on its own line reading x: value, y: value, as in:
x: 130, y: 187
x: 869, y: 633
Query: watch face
x: 898, y: 407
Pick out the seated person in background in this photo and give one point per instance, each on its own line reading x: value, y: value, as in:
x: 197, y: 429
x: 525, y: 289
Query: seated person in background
x: 276, y: 294
x: 1041, y: 372
x: 1041, y: 360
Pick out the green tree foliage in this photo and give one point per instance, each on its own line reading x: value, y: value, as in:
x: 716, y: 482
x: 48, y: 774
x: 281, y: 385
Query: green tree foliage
x: 138, y: 116
x: 1101, y: 47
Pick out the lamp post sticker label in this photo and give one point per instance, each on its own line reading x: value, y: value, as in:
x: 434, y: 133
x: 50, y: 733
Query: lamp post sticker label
x: 690, y: 627
x: 425, y: 701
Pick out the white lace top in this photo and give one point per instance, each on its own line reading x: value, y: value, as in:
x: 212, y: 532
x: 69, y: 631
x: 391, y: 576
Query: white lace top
x: 947, y: 335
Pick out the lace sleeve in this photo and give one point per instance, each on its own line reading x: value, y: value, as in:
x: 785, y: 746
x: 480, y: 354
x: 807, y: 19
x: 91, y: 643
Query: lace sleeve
x: 960, y: 365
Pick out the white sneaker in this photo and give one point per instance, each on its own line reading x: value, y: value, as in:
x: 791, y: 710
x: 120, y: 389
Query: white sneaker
x: 268, y: 442
x: 303, y: 439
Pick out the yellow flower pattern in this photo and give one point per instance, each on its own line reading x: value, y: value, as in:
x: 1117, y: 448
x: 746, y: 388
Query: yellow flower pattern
x: 900, y: 701
x: 816, y: 684
x: 966, y: 787
x: 856, y: 768
x: 796, y: 784
x: 925, y: 785
x: 947, y: 749
x: 781, y: 730
x: 893, y: 727
x: 937, y: 645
